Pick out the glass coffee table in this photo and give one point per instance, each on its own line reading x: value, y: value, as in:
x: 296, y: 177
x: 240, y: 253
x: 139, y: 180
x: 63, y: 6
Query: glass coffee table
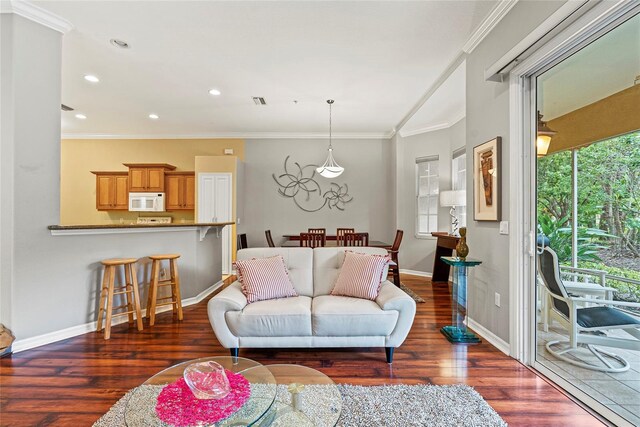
x: 281, y: 395
x: 305, y: 397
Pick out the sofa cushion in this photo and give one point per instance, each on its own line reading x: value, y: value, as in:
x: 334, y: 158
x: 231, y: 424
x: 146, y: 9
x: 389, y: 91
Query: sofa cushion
x: 264, y: 279
x: 360, y: 275
x: 327, y: 263
x: 299, y: 263
x: 345, y: 316
x: 272, y: 318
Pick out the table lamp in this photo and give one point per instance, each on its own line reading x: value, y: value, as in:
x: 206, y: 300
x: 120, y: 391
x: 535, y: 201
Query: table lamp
x: 453, y: 198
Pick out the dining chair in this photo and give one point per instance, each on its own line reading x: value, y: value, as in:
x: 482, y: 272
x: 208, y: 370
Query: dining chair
x: 322, y: 231
x: 340, y: 232
x: 312, y: 240
x: 241, y: 241
x: 393, y: 251
x: 356, y: 239
x: 269, y: 239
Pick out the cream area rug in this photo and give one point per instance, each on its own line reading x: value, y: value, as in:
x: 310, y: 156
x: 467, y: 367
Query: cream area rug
x: 393, y: 405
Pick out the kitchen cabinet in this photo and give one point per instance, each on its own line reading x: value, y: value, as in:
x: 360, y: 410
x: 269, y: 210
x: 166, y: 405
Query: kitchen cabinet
x: 147, y: 177
x: 112, y: 191
x: 180, y: 189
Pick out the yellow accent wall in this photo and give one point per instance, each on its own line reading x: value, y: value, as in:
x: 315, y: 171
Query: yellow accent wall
x: 614, y: 115
x: 81, y: 156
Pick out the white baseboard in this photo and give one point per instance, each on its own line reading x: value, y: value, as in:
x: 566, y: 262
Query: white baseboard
x: 63, y: 334
x: 489, y: 336
x: 415, y: 272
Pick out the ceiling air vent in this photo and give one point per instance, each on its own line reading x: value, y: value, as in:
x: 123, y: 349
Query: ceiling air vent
x: 65, y: 107
x: 258, y: 100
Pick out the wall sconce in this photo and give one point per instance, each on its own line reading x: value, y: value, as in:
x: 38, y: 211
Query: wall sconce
x: 544, y: 137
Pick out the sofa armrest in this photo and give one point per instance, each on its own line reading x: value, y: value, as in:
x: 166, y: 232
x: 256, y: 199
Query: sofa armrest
x: 393, y: 298
x: 230, y: 299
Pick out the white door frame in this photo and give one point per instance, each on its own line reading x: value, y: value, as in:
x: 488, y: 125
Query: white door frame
x: 587, y: 28
x: 226, y: 231
x: 522, y: 160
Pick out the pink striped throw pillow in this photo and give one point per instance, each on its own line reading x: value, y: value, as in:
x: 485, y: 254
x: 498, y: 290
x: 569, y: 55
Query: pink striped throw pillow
x: 360, y: 276
x: 265, y: 278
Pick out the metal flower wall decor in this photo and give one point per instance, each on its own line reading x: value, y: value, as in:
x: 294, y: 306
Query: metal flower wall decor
x: 298, y: 183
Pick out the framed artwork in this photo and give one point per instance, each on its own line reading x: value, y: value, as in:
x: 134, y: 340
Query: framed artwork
x: 487, y: 196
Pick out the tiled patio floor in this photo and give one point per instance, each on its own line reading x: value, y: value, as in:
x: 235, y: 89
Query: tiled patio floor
x: 620, y: 392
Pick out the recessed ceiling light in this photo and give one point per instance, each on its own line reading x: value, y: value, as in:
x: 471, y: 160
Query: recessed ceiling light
x: 80, y: 116
x: 91, y: 78
x: 154, y: 116
x: 119, y: 43
x: 214, y: 92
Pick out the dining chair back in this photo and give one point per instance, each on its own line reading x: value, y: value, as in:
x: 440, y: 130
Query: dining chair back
x: 241, y: 241
x: 317, y: 230
x: 340, y: 232
x: 312, y: 240
x: 356, y: 239
x: 267, y: 233
x: 393, y: 252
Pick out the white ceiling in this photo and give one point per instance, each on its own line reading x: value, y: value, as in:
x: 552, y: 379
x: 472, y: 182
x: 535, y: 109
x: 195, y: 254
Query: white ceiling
x: 606, y: 66
x: 444, y: 108
x: 376, y: 59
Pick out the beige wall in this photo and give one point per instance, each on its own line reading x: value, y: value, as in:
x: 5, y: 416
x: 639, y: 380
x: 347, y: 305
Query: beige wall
x: 81, y: 156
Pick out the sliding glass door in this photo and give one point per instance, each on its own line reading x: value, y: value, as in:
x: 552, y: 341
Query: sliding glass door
x: 588, y: 222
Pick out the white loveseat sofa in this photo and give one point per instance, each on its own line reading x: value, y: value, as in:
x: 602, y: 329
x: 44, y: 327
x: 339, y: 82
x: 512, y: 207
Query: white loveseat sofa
x: 314, y: 318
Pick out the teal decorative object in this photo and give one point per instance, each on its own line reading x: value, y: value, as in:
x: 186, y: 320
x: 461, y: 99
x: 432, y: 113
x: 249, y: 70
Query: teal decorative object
x: 458, y: 332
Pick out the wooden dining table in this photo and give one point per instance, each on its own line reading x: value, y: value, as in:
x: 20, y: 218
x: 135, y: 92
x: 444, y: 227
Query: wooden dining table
x: 293, y: 240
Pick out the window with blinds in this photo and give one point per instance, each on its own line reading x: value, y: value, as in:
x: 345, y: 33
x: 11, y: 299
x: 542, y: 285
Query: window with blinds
x: 427, y: 191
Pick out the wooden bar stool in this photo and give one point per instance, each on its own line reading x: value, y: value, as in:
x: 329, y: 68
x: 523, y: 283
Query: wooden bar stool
x: 129, y: 290
x: 174, y: 281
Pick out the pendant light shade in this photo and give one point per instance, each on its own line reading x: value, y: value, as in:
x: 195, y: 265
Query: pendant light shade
x: 543, y: 139
x: 330, y: 169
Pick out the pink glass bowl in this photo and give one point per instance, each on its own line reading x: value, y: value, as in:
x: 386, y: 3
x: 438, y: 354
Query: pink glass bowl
x: 207, y: 380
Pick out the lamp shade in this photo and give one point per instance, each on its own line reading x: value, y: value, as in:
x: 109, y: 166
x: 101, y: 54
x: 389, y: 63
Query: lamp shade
x: 453, y: 198
x: 542, y: 145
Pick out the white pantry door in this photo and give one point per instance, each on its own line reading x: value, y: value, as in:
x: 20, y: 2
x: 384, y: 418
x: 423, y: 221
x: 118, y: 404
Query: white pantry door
x: 215, y: 205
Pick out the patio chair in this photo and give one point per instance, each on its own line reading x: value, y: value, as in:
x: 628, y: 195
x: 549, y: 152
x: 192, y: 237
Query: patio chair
x: 587, y: 326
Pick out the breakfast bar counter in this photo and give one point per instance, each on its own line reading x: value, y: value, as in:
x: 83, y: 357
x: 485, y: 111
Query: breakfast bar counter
x: 84, y: 229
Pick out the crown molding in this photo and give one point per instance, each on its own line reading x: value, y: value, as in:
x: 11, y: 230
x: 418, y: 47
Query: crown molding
x: 433, y: 128
x: 232, y: 135
x: 36, y: 14
x: 444, y: 125
x: 489, y: 23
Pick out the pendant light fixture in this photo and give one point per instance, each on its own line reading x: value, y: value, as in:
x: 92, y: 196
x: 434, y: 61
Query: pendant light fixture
x: 330, y: 169
x: 544, y: 137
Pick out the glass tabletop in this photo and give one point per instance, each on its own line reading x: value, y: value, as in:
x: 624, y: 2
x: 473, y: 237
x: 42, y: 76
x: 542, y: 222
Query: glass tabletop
x: 140, y: 409
x: 306, y: 397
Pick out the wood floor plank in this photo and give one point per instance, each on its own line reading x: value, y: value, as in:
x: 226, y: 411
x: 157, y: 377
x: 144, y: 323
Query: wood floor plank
x: 73, y: 382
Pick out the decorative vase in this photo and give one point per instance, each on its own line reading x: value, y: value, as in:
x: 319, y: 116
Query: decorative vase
x: 462, y: 250
x: 207, y: 380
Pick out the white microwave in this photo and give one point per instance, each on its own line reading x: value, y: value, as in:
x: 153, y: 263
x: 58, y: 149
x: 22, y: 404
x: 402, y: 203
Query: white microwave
x: 146, y: 202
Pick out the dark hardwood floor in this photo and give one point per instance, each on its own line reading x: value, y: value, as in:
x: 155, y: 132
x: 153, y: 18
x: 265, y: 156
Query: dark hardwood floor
x: 75, y: 381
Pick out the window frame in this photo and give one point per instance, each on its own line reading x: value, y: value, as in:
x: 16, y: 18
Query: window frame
x: 417, y: 214
x: 461, y: 211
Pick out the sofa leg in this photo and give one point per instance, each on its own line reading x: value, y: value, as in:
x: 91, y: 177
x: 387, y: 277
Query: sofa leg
x: 389, y: 353
x: 234, y: 352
